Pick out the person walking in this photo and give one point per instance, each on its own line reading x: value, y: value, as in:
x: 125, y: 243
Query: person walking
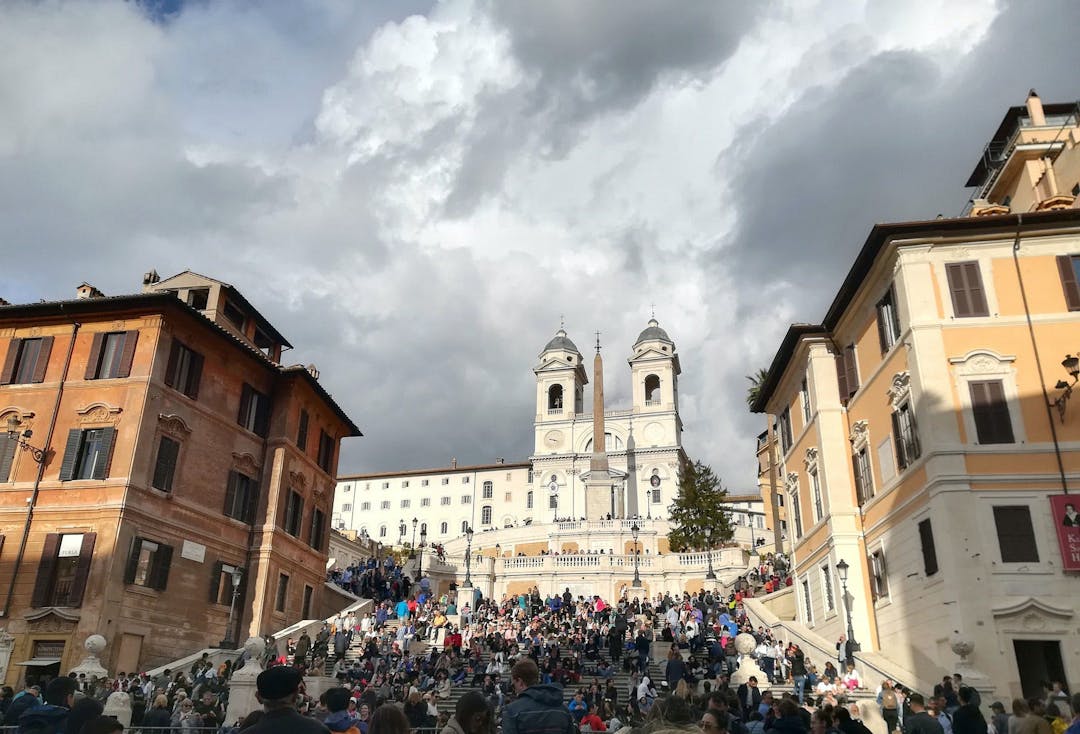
x: 919, y: 721
x: 890, y: 705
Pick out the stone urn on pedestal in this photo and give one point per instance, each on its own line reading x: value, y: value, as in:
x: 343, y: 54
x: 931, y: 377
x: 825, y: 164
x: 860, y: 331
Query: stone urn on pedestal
x: 242, y: 700
x: 748, y: 667
x: 91, y: 664
x: 962, y: 645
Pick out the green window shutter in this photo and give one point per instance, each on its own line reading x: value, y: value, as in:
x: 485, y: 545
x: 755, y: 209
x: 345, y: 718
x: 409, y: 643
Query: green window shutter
x: 108, y: 438
x: 71, y: 454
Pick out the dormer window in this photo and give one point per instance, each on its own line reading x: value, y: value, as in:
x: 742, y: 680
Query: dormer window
x: 234, y: 315
x: 198, y: 298
x: 264, y: 343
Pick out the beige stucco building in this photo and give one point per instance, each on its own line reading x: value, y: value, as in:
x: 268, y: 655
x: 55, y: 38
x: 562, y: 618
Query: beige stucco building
x: 925, y: 423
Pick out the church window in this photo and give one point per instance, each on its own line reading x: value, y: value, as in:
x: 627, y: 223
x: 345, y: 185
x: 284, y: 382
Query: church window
x: 529, y: 500
x: 555, y: 398
x: 489, y: 489
x: 652, y: 390
x: 444, y: 501
x: 423, y: 528
x: 425, y: 502
x: 553, y: 502
x: 365, y: 506
x: 464, y: 525
x: 466, y: 499
x: 485, y: 515
x: 443, y: 528
x: 382, y: 531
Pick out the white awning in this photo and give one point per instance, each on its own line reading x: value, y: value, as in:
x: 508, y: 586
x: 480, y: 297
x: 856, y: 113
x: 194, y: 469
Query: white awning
x: 40, y: 661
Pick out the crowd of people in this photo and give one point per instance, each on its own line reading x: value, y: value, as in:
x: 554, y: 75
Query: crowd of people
x: 634, y: 665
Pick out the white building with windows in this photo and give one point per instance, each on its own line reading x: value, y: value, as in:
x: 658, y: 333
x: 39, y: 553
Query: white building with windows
x: 643, y: 441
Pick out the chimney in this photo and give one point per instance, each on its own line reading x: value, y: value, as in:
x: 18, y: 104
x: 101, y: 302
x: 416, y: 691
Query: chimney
x: 500, y: 460
x: 4, y: 302
x: 453, y: 463
x: 149, y: 280
x: 1035, y: 109
x: 85, y: 290
x: 313, y: 371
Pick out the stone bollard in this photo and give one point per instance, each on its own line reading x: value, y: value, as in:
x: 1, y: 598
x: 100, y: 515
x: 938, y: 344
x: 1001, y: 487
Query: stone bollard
x: 242, y: 700
x: 118, y: 706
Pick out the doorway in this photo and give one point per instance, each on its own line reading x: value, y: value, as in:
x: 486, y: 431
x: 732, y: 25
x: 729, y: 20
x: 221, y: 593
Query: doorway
x: 1038, y: 662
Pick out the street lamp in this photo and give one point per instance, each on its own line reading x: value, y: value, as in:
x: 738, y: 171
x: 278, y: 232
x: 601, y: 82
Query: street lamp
x: 237, y: 574
x: 637, y: 553
x: 468, y: 559
x: 711, y: 575
x: 841, y: 570
x: 20, y: 438
x: 412, y: 546
x: 423, y: 542
x: 1072, y: 366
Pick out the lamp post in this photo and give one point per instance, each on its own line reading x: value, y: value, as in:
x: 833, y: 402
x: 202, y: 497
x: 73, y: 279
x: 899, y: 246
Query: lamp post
x: 711, y: 575
x: 420, y: 565
x: 1072, y: 366
x: 841, y: 570
x: 468, y: 559
x: 412, y: 546
x: 637, y: 554
x: 20, y: 437
x: 237, y: 574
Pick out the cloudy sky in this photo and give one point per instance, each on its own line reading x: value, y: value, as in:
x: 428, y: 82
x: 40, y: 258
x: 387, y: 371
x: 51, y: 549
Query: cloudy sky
x: 414, y: 192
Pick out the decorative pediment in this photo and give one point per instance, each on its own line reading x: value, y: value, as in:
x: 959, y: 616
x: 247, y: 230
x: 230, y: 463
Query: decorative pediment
x: 900, y: 389
x: 982, y: 362
x: 297, y: 480
x: 174, y: 425
x: 810, y: 460
x: 52, y: 619
x: 99, y: 413
x: 860, y: 434
x: 245, y: 464
x: 1031, y: 605
x: 792, y: 482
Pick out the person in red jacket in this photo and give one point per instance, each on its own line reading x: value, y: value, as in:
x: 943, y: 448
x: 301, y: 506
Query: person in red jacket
x: 592, y: 720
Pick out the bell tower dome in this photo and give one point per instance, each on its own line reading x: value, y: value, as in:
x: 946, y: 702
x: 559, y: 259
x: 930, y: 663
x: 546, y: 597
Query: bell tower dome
x: 654, y: 369
x: 560, y: 380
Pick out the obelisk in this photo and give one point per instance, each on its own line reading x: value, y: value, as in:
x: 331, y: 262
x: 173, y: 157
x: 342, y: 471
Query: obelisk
x: 598, y: 485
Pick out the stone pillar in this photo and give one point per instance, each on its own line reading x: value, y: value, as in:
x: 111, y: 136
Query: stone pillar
x: 242, y: 700
x: 91, y: 663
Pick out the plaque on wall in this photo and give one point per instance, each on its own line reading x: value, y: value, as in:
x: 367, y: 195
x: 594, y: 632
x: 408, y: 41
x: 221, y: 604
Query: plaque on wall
x: 193, y: 551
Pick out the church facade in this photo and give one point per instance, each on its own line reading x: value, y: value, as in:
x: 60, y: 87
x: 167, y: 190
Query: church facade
x: 632, y: 474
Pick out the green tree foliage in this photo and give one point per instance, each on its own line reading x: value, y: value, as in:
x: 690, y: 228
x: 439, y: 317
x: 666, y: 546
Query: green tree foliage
x: 698, y: 506
x: 756, y: 380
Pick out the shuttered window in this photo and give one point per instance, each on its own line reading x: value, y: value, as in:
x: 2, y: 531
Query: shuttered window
x: 991, y: 412
x: 317, y: 538
x: 906, y: 437
x: 1069, y: 270
x: 87, y: 454
x: 254, y: 411
x: 785, y: 430
x: 888, y: 321
x: 879, y: 576
x: 184, y: 370
x: 966, y: 288
x: 111, y: 355
x: 1016, y: 536
x: 847, y: 373
x: 241, y: 497
x: 929, y: 549
x: 26, y: 361
x: 294, y: 513
x: 8, y: 444
x: 282, y: 595
x: 864, y: 477
x: 148, y: 564
x: 796, y: 511
x: 221, y: 584
x: 301, y: 432
x: 165, y: 466
x: 326, y: 451
x: 63, y: 570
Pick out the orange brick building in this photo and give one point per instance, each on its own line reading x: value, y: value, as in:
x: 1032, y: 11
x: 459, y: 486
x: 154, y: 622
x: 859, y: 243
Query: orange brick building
x: 172, y: 448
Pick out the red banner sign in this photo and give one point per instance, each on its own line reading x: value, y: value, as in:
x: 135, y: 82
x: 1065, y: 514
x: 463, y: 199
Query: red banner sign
x: 1066, y: 511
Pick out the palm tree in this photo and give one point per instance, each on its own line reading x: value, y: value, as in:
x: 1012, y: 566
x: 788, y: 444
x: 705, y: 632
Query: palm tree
x: 756, y: 381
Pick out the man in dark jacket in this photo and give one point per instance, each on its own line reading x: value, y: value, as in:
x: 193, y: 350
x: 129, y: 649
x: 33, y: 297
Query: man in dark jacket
x: 920, y: 722
x: 50, y: 717
x: 537, y: 708
x: 968, y: 719
x: 276, y: 688
x: 749, y: 697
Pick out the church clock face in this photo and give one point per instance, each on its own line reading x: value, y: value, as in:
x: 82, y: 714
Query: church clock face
x: 553, y: 439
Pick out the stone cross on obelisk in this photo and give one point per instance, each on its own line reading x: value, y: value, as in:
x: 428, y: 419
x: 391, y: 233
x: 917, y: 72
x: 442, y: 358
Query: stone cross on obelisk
x: 598, y: 485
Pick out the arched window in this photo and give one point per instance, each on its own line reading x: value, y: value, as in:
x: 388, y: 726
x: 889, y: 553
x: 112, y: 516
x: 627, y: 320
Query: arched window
x: 423, y: 528
x: 443, y: 528
x: 611, y: 443
x: 382, y: 531
x: 488, y: 490
x: 555, y: 397
x: 485, y: 515
x: 464, y: 526
x: 652, y: 390
x: 529, y: 500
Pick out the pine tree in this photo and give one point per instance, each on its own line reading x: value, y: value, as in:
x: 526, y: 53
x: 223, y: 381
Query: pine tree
x: 698, y: 505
